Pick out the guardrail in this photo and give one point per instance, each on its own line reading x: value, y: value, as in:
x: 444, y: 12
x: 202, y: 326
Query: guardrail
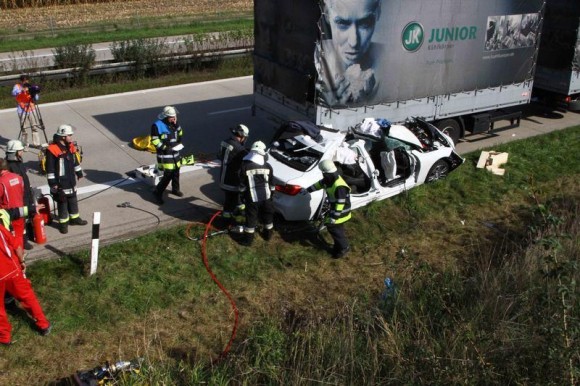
x: 115, y: 67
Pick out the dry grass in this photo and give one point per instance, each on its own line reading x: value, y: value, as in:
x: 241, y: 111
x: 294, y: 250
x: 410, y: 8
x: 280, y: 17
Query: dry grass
x: 296, y: 291
x: 67, y: 16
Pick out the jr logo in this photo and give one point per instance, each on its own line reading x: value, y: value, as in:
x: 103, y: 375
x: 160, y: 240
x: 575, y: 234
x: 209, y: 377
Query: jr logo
x: 412, y: 36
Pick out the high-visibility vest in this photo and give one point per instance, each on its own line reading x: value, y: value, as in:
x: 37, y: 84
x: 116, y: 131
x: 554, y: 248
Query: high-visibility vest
x: 339, y: 208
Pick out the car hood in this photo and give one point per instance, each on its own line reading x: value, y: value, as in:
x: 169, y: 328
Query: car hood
x: 287, y: 175
x: 403, y: 134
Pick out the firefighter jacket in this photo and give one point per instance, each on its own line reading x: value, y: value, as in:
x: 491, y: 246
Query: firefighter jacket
x: 256, y: 178
x: 165, y: 136
x: 338, y: 194
x: 63, y: 166
x: 232, y: 153
x: 18, y: 167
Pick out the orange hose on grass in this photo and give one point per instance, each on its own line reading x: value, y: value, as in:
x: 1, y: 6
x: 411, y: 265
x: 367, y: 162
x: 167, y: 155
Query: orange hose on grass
x: 208, y: 227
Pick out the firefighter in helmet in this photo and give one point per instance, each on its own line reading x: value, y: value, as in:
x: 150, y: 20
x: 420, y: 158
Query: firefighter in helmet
x: 63, y: 169
x: 257, y: 185
x: 338, y: 194
x: 166, y: 134
x: 232, y: 151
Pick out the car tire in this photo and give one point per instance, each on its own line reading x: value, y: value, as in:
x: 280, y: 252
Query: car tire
x: 438, y: 171
x: 451, y: 128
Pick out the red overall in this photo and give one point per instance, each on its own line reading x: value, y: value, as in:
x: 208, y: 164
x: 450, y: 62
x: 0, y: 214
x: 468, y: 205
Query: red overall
x: 13, y: 280
x: 12, y: 196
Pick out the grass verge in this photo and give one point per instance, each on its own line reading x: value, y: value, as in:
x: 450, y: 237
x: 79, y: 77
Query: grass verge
x: 485, y: 271
x: 55, y: 91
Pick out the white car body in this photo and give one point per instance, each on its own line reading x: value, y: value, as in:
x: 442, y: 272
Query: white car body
x: 423, y: 147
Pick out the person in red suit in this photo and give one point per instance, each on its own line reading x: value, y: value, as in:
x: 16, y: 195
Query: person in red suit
x: 13, y: 279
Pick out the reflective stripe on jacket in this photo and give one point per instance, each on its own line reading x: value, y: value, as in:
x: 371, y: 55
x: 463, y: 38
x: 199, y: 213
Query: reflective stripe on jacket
x: 164, y: 137
x: 256, y: 181
x: 339, y: 198
x: 231, y: 154
x: 63, y: 167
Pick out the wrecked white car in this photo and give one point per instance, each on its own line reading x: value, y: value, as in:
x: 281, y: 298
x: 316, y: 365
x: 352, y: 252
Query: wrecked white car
x: 378, y: 160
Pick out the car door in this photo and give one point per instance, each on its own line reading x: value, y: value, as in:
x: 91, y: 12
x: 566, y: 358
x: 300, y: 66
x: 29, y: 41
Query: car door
x: 358, y: 200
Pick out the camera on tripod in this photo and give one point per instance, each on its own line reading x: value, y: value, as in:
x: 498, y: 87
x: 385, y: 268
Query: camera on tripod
x: 33, y: 90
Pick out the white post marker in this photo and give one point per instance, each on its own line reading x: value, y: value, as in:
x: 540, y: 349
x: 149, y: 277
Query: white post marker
x: 95, y: 242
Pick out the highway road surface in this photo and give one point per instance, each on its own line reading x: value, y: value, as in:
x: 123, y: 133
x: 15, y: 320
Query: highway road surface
x: 106, y: 125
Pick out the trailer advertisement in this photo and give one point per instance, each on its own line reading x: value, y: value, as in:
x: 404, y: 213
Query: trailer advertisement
x: 369, y: 50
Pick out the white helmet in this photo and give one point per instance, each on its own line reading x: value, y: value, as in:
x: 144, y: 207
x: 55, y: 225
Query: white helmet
x: 241, y: 130
x: 259, y: 147
x: 64, y: 130
x: 13, y: 146
x: 327, y: 166
x: 168, y: 111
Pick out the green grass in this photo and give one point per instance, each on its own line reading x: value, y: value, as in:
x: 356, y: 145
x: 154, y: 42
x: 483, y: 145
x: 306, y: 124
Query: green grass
x: 135, y: 29
x: 54, y: 91
x: 485, y: 268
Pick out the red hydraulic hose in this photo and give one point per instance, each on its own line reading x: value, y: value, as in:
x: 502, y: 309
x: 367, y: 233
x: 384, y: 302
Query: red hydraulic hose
x: 222, y: 288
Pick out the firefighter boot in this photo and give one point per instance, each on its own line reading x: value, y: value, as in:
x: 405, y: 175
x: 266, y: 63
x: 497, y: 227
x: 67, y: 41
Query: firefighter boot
x: 267, y: 234
x: 63, y: 227
x: 158, y: 197
x: 248, y: 239
x: 78, y: 221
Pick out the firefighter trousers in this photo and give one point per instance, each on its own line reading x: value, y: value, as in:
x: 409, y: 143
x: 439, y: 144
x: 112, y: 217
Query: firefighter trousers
x: 338, y: 236
x: 168, y: 176
x: 68, y: 207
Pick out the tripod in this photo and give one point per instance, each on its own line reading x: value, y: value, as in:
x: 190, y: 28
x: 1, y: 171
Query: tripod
x: 31, y: 119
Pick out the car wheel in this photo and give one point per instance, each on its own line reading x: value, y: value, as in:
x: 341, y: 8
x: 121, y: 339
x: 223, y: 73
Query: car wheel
x: 451, y: 128
x: 439, y: 170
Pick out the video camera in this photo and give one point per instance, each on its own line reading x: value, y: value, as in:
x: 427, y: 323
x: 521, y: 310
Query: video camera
x: 33, y: 89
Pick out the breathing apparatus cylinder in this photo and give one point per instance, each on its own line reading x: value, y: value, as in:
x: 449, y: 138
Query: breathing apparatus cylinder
x: 39, y: 231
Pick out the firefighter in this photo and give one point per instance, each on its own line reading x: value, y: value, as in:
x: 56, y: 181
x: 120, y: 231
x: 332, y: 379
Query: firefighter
x: 338, y: 193
x: 63, y: 169
x: 232, y: 151
x: 13, y: 279
x: 14, y: 153
x: 256, y: 187
x: 166, y: 136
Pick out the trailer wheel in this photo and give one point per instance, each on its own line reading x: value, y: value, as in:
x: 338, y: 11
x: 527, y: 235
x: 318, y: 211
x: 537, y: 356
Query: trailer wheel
x: 439, y: 170
x: 451, y: 128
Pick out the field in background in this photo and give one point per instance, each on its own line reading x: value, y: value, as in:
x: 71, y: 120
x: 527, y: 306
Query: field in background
x: 93, y: 13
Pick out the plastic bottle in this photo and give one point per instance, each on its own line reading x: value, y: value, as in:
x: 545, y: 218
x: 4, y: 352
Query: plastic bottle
x: 389, y: 291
